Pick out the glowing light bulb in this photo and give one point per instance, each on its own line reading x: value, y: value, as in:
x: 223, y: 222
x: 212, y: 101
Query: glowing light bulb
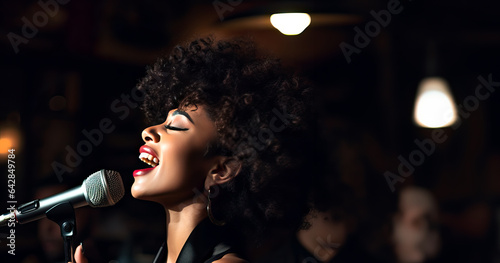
x: 434, y: 105
x: 291, y: 23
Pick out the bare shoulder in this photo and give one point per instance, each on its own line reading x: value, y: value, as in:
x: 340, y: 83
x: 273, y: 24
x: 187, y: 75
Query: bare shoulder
x: 231, y: 258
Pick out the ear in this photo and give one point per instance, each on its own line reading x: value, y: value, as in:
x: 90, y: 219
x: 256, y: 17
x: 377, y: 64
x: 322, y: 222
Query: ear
x: 223, y: 170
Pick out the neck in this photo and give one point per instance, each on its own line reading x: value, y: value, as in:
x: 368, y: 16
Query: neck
x: 181, y: 221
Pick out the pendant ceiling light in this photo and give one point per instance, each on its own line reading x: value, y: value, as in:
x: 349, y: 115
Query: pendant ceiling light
x: 290, y: 24
x: 434, y: 103
x: 290, y: 18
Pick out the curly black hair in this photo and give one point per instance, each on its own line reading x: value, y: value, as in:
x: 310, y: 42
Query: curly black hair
x: 262, y: 116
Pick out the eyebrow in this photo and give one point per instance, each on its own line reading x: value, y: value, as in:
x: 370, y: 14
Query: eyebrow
x: 183, y: 113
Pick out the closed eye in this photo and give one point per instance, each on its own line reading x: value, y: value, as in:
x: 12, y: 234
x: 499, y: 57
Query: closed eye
x: 168, y: 127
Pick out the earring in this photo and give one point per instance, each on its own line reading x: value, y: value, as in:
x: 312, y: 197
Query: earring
x: 209, y: 212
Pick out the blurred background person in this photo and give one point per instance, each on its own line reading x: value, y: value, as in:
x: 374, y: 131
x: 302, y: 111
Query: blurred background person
x: 416, y: 235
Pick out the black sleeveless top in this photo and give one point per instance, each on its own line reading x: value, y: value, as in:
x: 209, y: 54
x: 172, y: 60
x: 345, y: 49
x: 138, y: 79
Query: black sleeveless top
x: 205, y: 244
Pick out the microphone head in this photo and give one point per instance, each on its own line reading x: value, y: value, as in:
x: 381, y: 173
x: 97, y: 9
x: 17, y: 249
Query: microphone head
x: 103, y: 188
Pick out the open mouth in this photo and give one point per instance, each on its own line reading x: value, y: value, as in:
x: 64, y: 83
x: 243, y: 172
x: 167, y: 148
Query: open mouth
x: 148, y: 156
x: 149, y: 159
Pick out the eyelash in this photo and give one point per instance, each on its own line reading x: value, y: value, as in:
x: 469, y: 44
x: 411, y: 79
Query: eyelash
x: 168, y: 127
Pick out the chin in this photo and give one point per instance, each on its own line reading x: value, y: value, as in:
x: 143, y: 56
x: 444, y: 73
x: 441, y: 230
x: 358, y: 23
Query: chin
x: 137, y: 192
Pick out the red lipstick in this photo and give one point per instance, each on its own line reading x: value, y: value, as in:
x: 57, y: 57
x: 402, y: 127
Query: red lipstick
x: 141, y: 172
x: 148, y: 150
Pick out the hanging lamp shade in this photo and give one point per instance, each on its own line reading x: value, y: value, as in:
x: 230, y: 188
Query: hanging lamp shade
x: 291, y: 17
x: 290, y: 24
x: 434, y: 104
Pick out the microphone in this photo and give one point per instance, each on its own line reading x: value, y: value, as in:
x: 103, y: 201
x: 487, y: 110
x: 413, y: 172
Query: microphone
x: 100, y: 189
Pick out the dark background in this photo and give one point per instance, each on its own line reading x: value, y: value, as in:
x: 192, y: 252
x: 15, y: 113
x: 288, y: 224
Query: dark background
x: 91, y: 53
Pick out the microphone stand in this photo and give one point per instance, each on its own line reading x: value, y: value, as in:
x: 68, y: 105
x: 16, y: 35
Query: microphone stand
x: 64, y: 215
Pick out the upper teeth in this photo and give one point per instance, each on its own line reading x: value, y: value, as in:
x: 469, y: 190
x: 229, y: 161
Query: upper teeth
x: 149, y: 159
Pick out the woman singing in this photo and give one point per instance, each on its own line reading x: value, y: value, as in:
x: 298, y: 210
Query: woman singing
x: 226, y: 149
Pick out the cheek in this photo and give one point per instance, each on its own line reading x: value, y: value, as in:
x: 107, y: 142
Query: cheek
x: 182, y: 168
x: 181, y: 161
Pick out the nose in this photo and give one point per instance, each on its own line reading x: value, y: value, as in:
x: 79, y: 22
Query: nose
x: 151, y: 134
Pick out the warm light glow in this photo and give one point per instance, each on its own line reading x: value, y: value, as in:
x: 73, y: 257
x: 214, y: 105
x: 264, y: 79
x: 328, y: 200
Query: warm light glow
x: 10, y: 138
x: 434, y: 105
x: 291, y: 23
x: 5, y: 144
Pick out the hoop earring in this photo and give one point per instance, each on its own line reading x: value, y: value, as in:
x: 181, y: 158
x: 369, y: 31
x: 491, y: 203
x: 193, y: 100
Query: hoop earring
x: 209, y: 212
